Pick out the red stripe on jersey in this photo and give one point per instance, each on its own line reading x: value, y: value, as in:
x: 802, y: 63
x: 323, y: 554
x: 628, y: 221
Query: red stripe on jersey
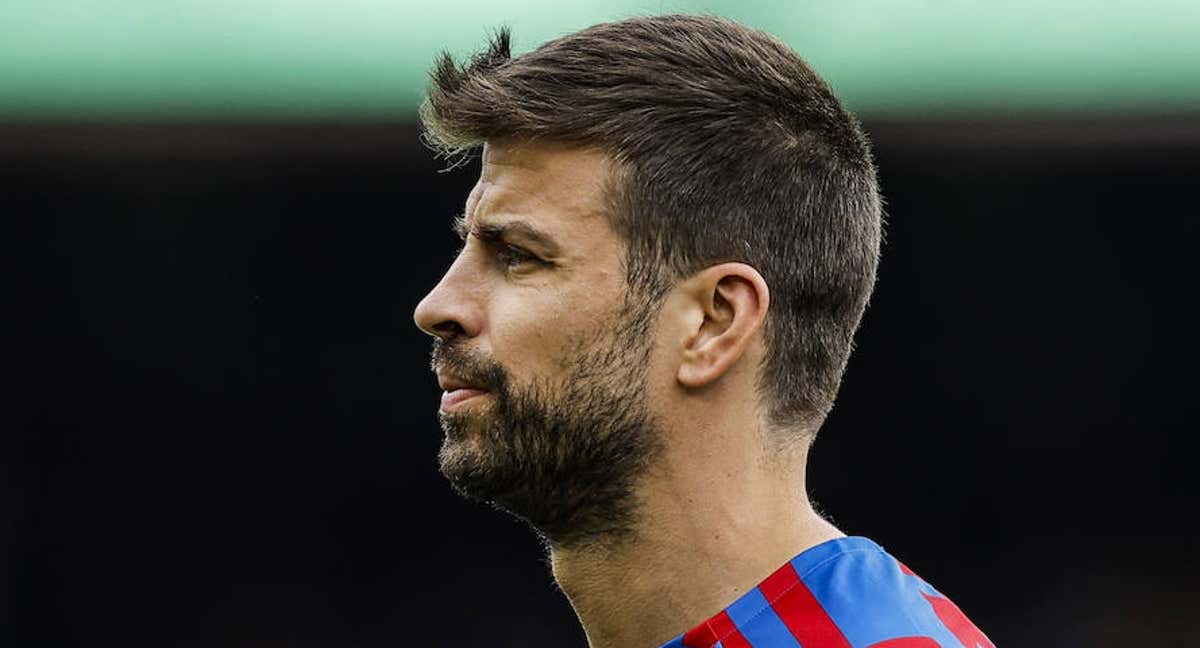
x: 728, y: 632
x: 907, y: 642
x: 702, y: 636
x: 718, y: 628
x: 800, y: 611
x: 953, y: 618
x: 958, y: 623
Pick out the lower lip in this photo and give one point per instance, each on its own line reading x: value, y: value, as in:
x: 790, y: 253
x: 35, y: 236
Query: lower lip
x: 454, y: 398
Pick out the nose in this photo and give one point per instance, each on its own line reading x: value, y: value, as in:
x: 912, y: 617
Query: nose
x: 451, y: 309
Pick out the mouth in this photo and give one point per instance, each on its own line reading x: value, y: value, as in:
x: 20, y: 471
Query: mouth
x: 456, y: 391
x: 453, y: 398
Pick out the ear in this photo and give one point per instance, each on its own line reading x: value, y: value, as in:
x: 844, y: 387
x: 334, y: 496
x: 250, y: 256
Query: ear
x: 731, y: 301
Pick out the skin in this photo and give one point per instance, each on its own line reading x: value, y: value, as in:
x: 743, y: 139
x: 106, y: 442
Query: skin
x: 722, y: 505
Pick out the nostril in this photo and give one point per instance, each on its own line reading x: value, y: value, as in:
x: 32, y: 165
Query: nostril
x: 448, y: 329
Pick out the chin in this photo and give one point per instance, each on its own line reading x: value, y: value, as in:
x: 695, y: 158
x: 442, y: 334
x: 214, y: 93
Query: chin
x: 467, y: 420
x: 464, y: 448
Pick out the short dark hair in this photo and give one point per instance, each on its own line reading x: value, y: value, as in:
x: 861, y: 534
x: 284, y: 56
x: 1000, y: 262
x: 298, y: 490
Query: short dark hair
x: 727, y: 146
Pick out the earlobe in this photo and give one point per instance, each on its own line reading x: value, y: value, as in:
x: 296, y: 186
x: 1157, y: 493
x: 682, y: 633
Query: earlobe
x: 733, y: 299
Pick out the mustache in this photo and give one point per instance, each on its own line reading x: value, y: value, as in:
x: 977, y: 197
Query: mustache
x: 467, y: 365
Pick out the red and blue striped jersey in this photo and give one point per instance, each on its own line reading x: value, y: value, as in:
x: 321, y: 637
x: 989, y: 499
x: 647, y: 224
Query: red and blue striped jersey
x: 845, y: 593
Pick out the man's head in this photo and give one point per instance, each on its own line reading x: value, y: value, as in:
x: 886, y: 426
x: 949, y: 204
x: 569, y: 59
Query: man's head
x: 532, y: 319
x: 655, y: 158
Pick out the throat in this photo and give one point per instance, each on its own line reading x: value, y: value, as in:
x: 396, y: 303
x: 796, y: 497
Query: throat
x: 673, y: 574
x: 618, y: 594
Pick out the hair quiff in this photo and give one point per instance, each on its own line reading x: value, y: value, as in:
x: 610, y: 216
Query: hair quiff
x: 728, y: 147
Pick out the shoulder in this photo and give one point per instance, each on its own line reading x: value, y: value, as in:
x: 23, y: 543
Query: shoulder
x: 873, y: 600
x: 845, y: 593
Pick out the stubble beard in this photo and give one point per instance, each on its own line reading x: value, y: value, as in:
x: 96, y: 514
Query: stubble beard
x: 565, y: 457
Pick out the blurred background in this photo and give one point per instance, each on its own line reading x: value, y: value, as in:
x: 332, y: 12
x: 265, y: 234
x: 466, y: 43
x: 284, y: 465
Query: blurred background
x: 222, y: 428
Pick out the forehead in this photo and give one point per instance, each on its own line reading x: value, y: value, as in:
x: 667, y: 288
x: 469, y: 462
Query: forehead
x: 556, y: 184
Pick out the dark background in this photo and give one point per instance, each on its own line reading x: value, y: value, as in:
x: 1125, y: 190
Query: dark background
x: 223, y: 431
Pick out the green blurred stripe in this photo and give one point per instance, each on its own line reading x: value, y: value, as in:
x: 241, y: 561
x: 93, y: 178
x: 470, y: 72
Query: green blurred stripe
x: 367, y: 58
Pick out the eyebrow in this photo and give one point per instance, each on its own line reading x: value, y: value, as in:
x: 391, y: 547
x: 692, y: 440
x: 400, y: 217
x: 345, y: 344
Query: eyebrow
x: 504, y: 232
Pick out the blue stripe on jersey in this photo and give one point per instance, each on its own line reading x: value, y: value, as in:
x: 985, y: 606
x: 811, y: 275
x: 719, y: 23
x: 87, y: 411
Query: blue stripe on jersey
x: 758, y: 623
x: 677, y: 642
x: 869, y: 597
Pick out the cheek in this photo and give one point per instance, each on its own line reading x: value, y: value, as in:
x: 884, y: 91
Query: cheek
x: 536, y: 332
x: 526, y: 332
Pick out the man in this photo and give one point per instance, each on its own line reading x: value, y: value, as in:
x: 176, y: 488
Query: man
x: 669, y: 248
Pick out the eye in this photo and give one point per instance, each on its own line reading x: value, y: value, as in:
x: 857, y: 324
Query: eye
x: 510, y: 256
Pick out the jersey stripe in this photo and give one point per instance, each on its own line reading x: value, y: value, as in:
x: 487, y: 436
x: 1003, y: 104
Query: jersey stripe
x: 800, y: 611
x: 950, y: 615
x: 957, y: 623
x: 727, y: 630
x: 845, y: 593
x: 852, y: 591
x: 759, y: 623
x: 702, y: 636
x: 719, y: 630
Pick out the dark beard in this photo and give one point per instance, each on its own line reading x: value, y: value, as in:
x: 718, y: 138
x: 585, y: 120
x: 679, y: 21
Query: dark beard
x: 563, y: 457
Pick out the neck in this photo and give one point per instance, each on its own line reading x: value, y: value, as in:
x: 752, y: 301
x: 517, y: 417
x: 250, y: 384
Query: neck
x: 712, y: 524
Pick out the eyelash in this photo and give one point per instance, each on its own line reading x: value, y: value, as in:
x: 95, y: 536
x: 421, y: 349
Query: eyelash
x: 510, y: 256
